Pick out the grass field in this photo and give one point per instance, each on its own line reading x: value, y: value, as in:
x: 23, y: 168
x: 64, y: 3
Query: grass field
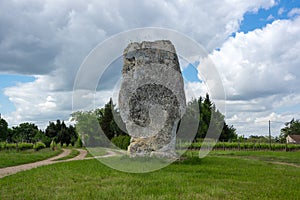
x: 13, y: 157
x: 95, y: 152
x: 268, y: 156
x: 221, y: 175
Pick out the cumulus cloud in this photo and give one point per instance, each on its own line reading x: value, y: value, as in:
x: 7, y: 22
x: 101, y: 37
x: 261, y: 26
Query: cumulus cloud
x: 38, y: 36
x: 50, y: 39
x: 260, y: 71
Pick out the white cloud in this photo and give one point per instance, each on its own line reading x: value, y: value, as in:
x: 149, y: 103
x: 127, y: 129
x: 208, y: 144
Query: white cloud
x: 281, y: 11
x: 50, y: 39
x: 38, y: 37
x: 294, y: 12
x: 260, y: 72
x: 195, y: 89
x: 270, y: 17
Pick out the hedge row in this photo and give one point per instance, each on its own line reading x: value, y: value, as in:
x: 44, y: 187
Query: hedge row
x: 21, y: 146
x: 244, y: 146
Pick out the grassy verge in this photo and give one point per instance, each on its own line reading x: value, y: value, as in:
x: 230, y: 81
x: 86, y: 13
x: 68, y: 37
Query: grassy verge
x: 96, y: 152
x: 13, y: 157
x: 73, y: 154
x: 214, y: 177
x: 268, y: 156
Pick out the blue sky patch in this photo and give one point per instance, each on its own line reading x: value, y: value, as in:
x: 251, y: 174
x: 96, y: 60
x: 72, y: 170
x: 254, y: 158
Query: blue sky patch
x: 263, y: 17
x: 190, y: 73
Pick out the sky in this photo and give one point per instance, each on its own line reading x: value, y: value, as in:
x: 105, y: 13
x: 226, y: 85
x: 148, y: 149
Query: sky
x: 254, y: 45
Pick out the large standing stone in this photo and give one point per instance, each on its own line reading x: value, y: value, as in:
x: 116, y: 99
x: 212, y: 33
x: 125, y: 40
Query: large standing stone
x: 151, y: 97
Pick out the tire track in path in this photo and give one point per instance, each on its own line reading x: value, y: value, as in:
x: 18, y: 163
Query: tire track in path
x: 15, y: 169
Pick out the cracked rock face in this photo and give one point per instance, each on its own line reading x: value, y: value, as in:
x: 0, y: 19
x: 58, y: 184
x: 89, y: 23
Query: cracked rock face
x: 151, y: 98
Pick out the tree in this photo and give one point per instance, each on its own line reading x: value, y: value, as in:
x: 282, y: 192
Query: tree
x: 41, y: 137
x: 189, y: 122
x: 208, y: 111
x: 228, y: 133
x: 60, y: 133
x: 51, y: 131
x: 25, y: 132
x: 106, y: 120
x: 110, y: 120
x: 291, y: 128
x: 3, y: 129
x: 99, y: 126
x: 10, y: 135
x: 88, y: 129
x: 73, y: 134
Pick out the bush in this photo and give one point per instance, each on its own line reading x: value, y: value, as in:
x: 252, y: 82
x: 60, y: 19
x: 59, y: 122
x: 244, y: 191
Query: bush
x: 292, y: 147
x: 24, y: 146
x: 2, y: 145
x: 47, y: 141
x: 9, y: 146
x: 78, y: 142
x: 38, y: 146
x: 53, y: 145
x: 121, y: 141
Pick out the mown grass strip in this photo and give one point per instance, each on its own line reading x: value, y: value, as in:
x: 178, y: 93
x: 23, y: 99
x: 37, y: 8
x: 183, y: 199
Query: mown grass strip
x: 14, y: 157
x: 73, y: 154
x: 96, y: 151
x: 267, y: 156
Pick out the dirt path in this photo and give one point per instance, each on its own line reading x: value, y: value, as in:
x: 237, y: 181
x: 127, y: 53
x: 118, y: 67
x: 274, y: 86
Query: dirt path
x: 14, y: 169
x: 109, y: 153
x: 82, y: 156
x: 287, y: 164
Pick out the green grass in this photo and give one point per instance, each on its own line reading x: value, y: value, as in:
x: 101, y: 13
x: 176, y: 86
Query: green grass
x: 73, y: 154
x: 269, y: 156
x: 12, y: 157
x: 218, y: 176
x: 97, y: 151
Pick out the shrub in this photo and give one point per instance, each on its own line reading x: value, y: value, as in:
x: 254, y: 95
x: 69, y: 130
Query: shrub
x: 121, y: 141
x: 78, y: 142
x: 292, y: 147
x: 38, y: 146
x: 47, y: 141
x: 9, y: 146
x: 24, y: 146
x: 2, y: 145
x: 53, y: 145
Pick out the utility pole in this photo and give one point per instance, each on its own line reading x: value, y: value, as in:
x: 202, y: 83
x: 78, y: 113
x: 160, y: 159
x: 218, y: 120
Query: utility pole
x: 270, y: 134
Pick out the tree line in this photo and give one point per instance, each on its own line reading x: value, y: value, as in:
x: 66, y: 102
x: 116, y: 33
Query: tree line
x: 107, y: 121
x: 57, y: 132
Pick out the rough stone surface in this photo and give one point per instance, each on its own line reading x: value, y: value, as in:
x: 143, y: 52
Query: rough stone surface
x: 151, y: 97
